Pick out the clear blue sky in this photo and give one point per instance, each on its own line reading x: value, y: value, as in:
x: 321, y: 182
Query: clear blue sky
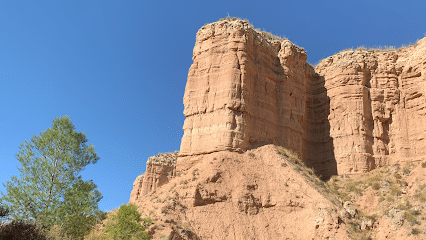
x: 119, y: 68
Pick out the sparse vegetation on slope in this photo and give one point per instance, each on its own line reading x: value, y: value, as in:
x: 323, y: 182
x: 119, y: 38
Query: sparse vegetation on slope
x: 390, y: 198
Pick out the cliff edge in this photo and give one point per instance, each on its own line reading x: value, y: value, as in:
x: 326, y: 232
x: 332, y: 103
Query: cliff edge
x: 355, y: 111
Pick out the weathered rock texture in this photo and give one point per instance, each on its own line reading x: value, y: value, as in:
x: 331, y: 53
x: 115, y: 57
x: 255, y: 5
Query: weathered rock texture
x: 159, y: 170
x: 357, y: 110
x: 256, y: 195
x: 244, y: 87
x: 377, y: 106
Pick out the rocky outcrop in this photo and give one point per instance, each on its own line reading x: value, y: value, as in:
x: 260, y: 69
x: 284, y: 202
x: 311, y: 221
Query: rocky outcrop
x: 137, y: 189
x: 159, y: 170
x: 377, y: 106
x: 357, y: 110
x: 245, y: 87
x: 260, y: 194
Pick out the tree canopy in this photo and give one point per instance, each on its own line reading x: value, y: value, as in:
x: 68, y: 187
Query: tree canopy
x: 50, y: 188
x: 126, y: 224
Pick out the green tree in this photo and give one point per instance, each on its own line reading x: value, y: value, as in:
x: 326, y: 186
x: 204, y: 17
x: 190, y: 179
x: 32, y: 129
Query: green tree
x: 126, y: 224
x: 79, y: 215
x: 50, y: 189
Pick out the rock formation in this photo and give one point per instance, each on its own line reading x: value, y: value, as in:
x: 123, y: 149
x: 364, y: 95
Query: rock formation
x: 377, y: 109
x: 159, y: 170
x: 244, y: 87
x: 357, y: 110
x: 259, y: 194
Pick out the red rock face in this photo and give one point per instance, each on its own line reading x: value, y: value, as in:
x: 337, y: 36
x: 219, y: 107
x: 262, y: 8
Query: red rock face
x: 357, y: 110
x: 377, y: 106
x: 159, y: 170
x: 244, y: 88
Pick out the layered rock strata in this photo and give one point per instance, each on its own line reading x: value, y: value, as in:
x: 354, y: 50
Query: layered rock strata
x: 159, y: 170
x: 357, y: 110
x: 245, y: 87
x: 377, y: 109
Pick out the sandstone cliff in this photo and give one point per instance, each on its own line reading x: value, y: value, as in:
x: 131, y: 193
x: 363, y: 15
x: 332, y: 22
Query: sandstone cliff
x: 357, y: 110
x: 377, y: 106
x: 244, y: 87
x: 159, y: 170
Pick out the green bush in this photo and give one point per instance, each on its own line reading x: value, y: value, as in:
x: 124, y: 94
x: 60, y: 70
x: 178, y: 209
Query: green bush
x: 411, y: 217
x: 397, y: 176
x: 20, y: 229
x: 406, y: 169
x: 376, y: 186
x: 282, y: 152
x: 297, y: 168
x: 395, y: 191
x: 351, y: 186
x: 415, y: 231
x: 126, y: 224
x: 77, y: 226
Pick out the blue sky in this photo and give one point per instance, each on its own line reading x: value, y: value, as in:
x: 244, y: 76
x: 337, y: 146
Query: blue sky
x: 119, y: 68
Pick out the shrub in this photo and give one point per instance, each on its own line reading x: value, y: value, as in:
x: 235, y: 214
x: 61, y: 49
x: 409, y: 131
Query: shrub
x: 344, y: 196
x: 126, y: 224
x: 376, y: 186
x: 19, y: 229
x: 288, y: 154
x: 297, y: 168
x: 406, y: 169
x: 354, y: 226
x: 395, y: 190
x: 352, y: 187
x: 410, y: 217
x: 251, y: 155
x: 408, y: 204
x: 283, y: 164
x: 57, y: 232
x: 389, y: 198
x: 333, y: 186
x: 77, y: 226
x: 403, y: 183
x: 401, y: 207
x: 415, y: 231
x: 373, y: 217
x: 294, y: 157
x: 282, y: 152
x: 423, y: 164
x: 310, y: 171
x: 397, y: 176
x: 166, y: 208
x: 374, y: 179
